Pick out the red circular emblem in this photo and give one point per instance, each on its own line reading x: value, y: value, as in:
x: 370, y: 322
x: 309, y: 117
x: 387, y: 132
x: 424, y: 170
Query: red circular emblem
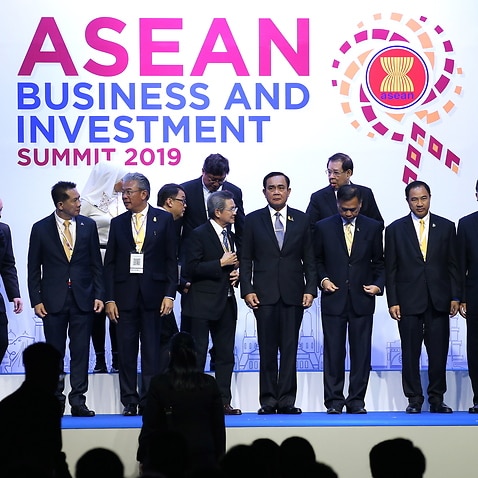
x: 397, y: 77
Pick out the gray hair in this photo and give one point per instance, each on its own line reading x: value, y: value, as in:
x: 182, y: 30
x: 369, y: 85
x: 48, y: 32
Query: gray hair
x: 217, y: 200
x: 141, y: 180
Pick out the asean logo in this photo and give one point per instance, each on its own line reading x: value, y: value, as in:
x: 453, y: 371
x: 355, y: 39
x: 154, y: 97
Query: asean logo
x: 397, y: 77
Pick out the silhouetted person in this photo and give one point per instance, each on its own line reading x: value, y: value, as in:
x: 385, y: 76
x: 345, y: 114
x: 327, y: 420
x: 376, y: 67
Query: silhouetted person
x: 30, y: 419
x: 186, y: 401
x: 268, y: 451
x: 397, y: 458
x: 295, y: 455
x: 99, y: 463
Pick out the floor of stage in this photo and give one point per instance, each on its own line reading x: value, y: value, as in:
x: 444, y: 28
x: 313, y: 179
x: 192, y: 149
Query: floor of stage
x: 342, y: 441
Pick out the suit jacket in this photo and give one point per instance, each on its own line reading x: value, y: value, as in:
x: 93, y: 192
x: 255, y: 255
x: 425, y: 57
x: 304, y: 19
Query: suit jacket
x: 274, y: 273
x: 410, y: 280
x: 364, y: 266
x: 49, y: 268
x: 160, y: 273
x: 323, y: 203
x: 195, y: 213
x: 8, y: 271
x: 210, y: 283
x: 468, y: 258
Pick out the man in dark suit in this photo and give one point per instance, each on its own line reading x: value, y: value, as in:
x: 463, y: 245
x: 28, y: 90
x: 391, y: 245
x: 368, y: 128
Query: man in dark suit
x: 8, y: 273
x: 423, y: 290
x: 278, y: 280
x: 323, y: 203
x: 65, y: 283
x: 141, y: 277
x: 351, y: 273
x: 172, y: 199
x: 468, y: 257
x: 211, y: 264
x: 213, y: 178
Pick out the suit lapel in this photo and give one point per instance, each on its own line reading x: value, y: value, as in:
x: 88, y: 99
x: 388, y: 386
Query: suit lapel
x: 214, y: 238
x: 411, y: 234
x: 268, y: 228
x: 55, y: 236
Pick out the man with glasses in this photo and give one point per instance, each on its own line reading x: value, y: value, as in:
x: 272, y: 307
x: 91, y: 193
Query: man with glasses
x: 351, y: 272
x: 172, y: 199
x: 213, y: 178
x: 211, y: 264
x: 323, y: 203
x: 141, y: 277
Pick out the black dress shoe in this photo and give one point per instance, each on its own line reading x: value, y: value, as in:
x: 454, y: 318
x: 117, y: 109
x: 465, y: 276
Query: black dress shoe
x: 81, y: 411
x: 130, y: 410
x: 228, y: 410
x: 266, y: 410
x: 333, y: 411
x: 414, y: 408
x: 473, y: 409
x: 356, y: 410
x: 440, y: 408
x: 289, y: 410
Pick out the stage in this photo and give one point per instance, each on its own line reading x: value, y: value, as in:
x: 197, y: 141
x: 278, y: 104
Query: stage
x: 342, y: 441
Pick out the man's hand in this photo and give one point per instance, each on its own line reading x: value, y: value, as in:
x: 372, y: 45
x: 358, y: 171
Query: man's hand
x: 166, y: 306
x: 17, y: 305
x: 252, y: 301
x: 99, y: 306
x: 371, y: 289
x: 394, y: 312
x: 454, y: 306
x: 229, y: 259
x: 40, y: 310
x: 112, y: 312
x: 462, y: 309
x: 329, y: 286
x: 234, y: 277
x: 307, y: 300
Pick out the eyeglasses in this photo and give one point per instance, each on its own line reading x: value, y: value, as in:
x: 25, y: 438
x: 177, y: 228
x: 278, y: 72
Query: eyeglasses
x: 212, y: 179
x: 335, y: 174
x: 230, y: 209
x: 129, y: 192
x: 181, y: 200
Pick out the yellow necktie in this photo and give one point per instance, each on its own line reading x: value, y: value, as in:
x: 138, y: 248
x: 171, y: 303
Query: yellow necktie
x: 67, y: 240
x: 423, y: 239
x: 349, y: 238
x: 139, y: 229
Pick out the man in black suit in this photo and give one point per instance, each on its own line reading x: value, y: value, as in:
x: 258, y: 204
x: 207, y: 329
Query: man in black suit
x: 211, y: 264
x: 323, y: 203
x: 172, y: 199
x: 351, y: 273
x: 213, y: 178
x: 141, y: 277
x: 8, y: 273
x: 468, y: 257
x: 278, y: 281
x: 65, y: 283
x: 423, y: 290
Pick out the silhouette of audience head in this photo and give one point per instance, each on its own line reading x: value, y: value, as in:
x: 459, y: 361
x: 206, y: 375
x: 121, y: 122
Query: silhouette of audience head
x: 182, y: 353
x: 42, y: 364
x: 99, y: 463
x: 384, y: 462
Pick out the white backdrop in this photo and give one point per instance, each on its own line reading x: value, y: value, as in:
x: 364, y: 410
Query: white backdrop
x: 199, y: 66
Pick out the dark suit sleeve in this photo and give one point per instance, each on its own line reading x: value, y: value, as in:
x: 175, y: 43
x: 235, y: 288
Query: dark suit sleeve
x: 247, y: 254
x: 34, y: 266
x: 96, y: 263
x: 369, y: 205
x: 391, y: 265
x: 308, y: 260
x: 312, y: 210
x: 377, y: 260
x: 8, y: 270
